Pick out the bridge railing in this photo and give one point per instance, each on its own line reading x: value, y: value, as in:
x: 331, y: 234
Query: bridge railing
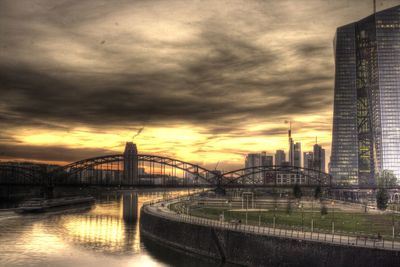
x: 318, y: 235
x: 170, y: 199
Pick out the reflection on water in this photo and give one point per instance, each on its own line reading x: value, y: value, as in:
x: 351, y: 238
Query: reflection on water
x: 130, y: 207
x: 105, y: 235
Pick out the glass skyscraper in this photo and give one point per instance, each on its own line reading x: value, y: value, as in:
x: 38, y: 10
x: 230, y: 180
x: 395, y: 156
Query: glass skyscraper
x: 366, y: 120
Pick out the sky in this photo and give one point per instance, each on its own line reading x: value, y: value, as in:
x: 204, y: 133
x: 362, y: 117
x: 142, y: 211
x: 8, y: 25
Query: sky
x: 201, y: 81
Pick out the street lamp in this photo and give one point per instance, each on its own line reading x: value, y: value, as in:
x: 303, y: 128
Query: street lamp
x: 312, y: 216
x: 333, y: 217
x: 302, y: 216
x: 393, y: 222
x: 247, y: 206
x: 355, y: 224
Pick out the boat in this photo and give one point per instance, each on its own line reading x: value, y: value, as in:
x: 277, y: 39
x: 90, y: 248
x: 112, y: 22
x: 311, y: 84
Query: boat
x: 36, y: 205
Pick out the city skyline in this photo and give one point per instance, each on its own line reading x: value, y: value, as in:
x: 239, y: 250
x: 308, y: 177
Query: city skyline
x: 209, y: 85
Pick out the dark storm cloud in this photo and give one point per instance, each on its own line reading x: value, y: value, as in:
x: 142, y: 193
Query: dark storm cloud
x: 125, y: 64
x: 312, y: 49
x: 209, y: 89
x: 48, y: 153
x: 34, y: 95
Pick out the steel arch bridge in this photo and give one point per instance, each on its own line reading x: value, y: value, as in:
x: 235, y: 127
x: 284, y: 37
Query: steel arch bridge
x: 160, y: 171
x: 155, y: 170
x: 267, y: 176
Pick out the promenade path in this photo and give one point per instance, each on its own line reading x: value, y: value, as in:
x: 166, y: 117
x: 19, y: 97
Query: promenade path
x: 161, y: 209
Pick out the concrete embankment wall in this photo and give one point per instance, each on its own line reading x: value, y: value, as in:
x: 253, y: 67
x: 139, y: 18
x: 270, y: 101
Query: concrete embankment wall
x: 259, y: 250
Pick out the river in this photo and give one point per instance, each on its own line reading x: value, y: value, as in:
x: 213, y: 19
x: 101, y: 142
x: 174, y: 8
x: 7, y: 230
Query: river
x: 102, y: 235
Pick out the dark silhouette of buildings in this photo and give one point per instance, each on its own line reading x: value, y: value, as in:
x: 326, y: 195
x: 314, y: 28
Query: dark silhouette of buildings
x: 130, y: 164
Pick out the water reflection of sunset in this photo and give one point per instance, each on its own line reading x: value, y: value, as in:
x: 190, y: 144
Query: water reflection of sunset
x: 104, y: 227
x: 101, y: 230
x: 41, y: 240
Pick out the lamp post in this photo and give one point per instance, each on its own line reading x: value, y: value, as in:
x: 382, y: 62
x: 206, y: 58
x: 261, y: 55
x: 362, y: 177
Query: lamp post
x: 247, y: 206
x: 333, y: 217
x: 393, y: 223
x: 355, y: 224
x: 312, y: 216
x: 302, y: 217
x: 274, y: 216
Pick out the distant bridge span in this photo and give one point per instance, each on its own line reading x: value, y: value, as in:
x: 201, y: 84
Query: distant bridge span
x: 133, y: 169
x: 267, y: 176
x: 160, y: 171
x: 96, y: 169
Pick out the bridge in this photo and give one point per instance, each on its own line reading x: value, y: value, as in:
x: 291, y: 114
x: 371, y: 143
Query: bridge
x: 133, y: 169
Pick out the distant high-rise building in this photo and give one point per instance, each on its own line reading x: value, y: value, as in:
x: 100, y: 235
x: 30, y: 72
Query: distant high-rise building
x: 280, y: 157
x: 131, y: 176
x: 258, y: 159
x: 366, y: 121
x: 308, y: 160
x: 291, y: 147
x: 297, y: 155
x: 319, y: 158
x: 266, y: 160
x: 323, y: 168
x: 294, y: 150
x: 252, y: 160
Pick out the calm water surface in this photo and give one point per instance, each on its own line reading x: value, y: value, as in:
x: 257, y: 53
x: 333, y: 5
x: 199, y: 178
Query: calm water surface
x: 103, y: 235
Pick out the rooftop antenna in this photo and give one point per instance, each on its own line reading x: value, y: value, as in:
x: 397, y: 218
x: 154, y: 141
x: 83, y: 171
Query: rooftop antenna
x: 290, y: 128
x: 316, y: 140
x: 374, y: 6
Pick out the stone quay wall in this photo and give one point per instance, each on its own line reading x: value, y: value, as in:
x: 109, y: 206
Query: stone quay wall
x: 252, y: 249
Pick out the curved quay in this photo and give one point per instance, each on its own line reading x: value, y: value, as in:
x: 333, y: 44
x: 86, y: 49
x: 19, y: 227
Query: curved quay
x: 259, y: 246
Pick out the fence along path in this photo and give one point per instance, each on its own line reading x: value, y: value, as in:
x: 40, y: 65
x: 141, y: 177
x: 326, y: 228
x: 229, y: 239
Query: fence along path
x: 160, y: 208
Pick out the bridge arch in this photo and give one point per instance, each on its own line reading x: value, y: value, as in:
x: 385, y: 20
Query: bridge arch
x: 275, y: 176
x: 94, y: 170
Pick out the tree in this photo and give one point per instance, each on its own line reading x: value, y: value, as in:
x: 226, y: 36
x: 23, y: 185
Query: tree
x: 324, y: 210
x: 297, y: 191
x: 317, y: 192
x: 289, y: 206
x: 385, y: 179
x: 382, y: 199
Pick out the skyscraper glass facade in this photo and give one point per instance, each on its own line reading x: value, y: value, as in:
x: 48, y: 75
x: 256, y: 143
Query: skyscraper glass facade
x: 366, y: 122
x: 344, y: 160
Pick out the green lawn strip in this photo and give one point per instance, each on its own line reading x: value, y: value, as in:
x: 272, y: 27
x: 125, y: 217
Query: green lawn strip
x: 361, y: 223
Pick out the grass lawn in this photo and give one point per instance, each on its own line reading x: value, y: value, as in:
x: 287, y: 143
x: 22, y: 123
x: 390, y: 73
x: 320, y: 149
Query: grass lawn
x: 349, y: 222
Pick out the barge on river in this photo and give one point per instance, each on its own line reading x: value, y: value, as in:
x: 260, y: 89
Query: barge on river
x: 35, y: 205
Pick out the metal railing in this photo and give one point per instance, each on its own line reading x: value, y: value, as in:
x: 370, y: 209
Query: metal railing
x: 293, y: 232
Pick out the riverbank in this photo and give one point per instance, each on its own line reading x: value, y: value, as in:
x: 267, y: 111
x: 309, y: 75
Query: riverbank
x: 347, y: 218
x: 255, y: 246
